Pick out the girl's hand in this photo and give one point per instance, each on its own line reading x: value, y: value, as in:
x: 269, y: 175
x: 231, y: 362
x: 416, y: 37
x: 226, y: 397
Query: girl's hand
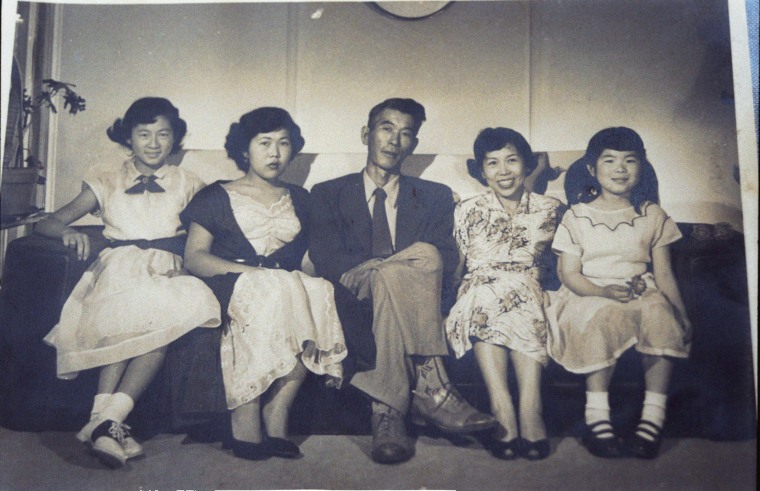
x: 617, y: 292
x: 78, y: 241
x: 637, y: 286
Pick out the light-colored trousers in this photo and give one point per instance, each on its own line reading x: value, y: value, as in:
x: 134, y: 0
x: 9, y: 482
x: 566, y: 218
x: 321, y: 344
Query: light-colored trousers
x: 406, y: 297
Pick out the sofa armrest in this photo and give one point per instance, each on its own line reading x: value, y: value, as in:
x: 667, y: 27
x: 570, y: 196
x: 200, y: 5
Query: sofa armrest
x: 38, y: 277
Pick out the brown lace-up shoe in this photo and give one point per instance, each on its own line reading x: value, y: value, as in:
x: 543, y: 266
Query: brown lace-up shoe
x: 390, y: 444
x: 447, y: 409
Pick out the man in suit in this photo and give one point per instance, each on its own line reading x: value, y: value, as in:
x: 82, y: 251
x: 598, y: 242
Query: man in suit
x: 389, y: 239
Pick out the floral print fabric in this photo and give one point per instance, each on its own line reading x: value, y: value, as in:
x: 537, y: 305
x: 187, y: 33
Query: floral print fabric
x: 500, y: 300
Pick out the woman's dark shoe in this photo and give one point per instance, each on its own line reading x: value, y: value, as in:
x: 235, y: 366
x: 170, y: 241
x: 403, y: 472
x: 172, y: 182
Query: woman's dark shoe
x: 250, y: 450
x: 538, y: 450
x: 504, y: 450
x: 602, y: 442
x: 643, y: 447
x: 280, y: 447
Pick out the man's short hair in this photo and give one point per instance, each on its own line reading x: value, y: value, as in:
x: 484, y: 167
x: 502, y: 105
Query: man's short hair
x: 406, y: 106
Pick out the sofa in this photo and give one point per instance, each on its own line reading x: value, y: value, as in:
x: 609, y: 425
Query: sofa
x: 712, y: 393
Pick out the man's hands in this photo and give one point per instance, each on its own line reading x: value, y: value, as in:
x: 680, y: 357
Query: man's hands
x: 357, y: 278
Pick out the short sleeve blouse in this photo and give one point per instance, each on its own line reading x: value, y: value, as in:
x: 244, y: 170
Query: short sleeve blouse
x: 614, y: 244
x: 487, y: 234
x: 147, y: 216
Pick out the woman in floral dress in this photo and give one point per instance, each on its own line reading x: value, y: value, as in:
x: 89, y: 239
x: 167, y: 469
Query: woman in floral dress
x: 503, y: 237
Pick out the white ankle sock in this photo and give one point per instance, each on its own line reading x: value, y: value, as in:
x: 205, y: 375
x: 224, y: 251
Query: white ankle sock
x: 598, y: 409
x: 100, y: 403
x: 654, y: 410
x: 119, y: 406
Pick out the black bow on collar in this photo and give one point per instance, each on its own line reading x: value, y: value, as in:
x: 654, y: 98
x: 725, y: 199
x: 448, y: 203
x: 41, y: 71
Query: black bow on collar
x: 145, y: 183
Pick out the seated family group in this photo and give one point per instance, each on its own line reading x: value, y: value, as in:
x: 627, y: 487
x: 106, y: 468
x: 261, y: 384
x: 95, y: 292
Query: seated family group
x: 404, y: 276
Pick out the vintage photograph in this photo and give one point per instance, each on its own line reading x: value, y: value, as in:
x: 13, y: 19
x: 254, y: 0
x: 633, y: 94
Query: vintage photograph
x: 378, y: 245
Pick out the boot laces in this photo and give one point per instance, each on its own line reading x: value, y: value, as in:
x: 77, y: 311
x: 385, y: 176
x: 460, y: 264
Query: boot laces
x: 454, y: 396
x: 119, y: 431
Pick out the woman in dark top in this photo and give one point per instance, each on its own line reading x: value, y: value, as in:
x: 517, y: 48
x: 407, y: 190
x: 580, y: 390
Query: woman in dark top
x: 247, y: 239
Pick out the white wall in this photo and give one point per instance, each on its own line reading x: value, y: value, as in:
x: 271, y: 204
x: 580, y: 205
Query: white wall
x: 662, y: 68
x: 555, y: 70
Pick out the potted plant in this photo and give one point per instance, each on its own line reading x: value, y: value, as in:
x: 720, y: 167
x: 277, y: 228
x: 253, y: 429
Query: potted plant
x: 21, y: 168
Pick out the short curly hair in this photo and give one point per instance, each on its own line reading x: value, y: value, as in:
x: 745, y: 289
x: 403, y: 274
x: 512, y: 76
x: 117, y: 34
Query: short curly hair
x: 146, y: 111
x: 491, y: 139
x: 261, y: 120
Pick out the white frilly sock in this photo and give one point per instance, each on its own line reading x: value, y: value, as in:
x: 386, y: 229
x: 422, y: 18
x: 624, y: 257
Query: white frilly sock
x: 598, y: 409
x: 654, y: 410
x: 118, y: 408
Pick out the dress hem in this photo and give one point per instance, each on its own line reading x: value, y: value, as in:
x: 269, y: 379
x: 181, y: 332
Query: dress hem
x: 333, y: 370
x: 543, y: 361
x: 70, y: 364
x: 618, y: 353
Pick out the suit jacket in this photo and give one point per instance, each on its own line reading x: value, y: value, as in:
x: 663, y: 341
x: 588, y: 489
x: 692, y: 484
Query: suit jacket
x: 341, y: 225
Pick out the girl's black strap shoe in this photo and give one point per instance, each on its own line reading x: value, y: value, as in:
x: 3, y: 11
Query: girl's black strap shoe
x: 601, y: 441
x: 645, y: 448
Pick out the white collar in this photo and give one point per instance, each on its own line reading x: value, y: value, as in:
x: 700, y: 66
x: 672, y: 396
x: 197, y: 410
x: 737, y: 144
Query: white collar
x: 391, y: 188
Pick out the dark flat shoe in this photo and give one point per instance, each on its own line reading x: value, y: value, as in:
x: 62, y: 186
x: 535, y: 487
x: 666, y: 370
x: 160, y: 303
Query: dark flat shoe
x: 504, y: 450
x: 250, y: 450
x: 280, y: 447
x: 537, y: 450
x: 645, y: 448
x: 607, y: 446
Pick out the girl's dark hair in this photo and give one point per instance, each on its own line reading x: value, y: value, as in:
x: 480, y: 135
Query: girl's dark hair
x: 582, y: 187
x: 146, y: 111
x: 261, y: 120
x: 491, y: 139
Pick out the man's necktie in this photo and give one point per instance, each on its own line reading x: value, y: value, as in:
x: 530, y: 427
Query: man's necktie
x: 145, y: 183
x: 382, y: 246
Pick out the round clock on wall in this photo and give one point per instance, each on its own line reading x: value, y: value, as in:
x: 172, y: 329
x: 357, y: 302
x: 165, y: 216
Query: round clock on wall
x: 411, y: 10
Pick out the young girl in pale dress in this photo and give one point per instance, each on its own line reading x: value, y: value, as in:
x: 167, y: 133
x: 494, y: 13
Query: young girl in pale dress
x: 247, y: 239
x: 134, y: 299
x: 618, y: 289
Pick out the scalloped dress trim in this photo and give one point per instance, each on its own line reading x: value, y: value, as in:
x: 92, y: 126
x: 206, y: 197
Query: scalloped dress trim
x: 630, y: 223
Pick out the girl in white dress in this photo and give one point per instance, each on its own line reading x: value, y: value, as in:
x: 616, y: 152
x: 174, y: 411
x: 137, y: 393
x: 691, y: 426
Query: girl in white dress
x: 247, y: 239
x: 134, y: 299
x: 618, y: 289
